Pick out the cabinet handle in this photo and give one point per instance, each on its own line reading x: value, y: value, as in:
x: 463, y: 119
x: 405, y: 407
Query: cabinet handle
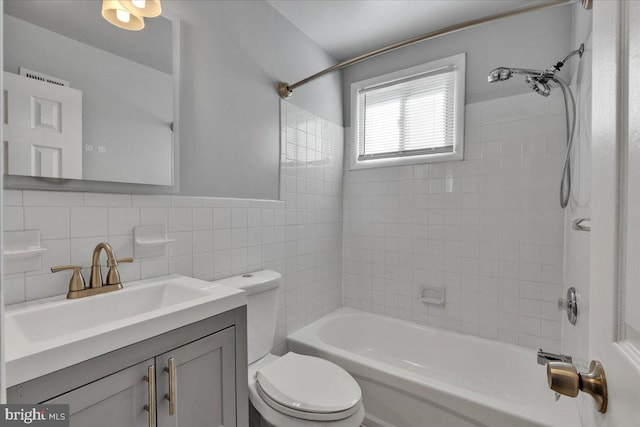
x: 171, y: 397
x: 150, y: 378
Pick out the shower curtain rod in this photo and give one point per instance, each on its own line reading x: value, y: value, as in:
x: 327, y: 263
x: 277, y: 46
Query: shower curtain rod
x: 286, y: 90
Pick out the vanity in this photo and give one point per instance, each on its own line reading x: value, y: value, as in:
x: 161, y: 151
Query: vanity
x: 168, y: 351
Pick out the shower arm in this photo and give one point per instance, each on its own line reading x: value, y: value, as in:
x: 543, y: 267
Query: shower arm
x: 579, y: 51
x: 286, y: 90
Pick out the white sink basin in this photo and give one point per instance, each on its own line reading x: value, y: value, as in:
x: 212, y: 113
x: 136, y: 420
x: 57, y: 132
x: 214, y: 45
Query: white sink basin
x: 47, y: 335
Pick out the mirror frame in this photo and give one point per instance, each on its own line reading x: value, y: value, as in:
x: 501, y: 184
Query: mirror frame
x: 19, y: 182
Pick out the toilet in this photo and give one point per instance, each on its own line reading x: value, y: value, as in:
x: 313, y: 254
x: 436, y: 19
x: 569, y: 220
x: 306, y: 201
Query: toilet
x: 293, y: 390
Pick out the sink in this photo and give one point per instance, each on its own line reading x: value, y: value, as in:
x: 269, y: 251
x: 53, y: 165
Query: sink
x: 70, y: 317
x: 51, y: 334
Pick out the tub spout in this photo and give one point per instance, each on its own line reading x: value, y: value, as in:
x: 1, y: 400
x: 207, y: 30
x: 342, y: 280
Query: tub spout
x: 544, y: 357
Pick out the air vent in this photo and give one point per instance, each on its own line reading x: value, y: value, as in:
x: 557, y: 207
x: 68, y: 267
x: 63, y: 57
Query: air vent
x: 43, y: 77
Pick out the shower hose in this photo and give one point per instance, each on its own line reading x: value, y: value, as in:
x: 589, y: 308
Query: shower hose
x: 565, y: 182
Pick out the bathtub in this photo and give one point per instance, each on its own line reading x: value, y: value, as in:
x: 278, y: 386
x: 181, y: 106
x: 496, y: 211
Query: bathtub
x: 417, y: 376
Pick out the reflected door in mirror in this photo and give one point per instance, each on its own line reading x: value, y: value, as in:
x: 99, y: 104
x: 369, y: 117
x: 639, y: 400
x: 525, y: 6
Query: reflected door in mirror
x: 42, y: 128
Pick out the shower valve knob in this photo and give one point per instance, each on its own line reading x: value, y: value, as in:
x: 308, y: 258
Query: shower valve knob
x: 570, y: 305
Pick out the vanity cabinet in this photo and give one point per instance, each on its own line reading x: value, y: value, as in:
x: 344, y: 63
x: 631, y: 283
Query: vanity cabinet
x: 115, y: 400
x: 190, y: 377
x: 201, y: 378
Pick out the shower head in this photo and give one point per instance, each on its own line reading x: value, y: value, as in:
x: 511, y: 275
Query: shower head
x: 503, y: 73
x: 538, y: 80
x: 500, y: 74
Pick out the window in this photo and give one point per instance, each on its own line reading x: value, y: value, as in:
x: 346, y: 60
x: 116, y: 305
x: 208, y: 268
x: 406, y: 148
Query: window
x: 411, y: 116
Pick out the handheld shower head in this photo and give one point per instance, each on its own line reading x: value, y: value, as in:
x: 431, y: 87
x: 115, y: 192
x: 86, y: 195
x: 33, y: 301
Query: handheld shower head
x: 500, y: 74
x: 538, y: 80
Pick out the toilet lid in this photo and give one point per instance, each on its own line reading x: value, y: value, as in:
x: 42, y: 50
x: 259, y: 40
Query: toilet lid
x: 308, y: 384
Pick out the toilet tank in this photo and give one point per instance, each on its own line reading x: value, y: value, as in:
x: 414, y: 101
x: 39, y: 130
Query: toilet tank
x: 262, y: 289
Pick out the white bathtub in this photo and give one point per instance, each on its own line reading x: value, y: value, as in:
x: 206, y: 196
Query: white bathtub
x: 416, y: 376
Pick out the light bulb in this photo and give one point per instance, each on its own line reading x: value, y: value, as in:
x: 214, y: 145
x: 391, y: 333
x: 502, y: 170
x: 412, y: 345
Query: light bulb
x: 140, y: 4
x: 123, y: 15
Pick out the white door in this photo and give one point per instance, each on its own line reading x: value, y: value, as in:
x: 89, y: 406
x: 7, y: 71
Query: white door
x: 42, y: 128
x: 614, y: 329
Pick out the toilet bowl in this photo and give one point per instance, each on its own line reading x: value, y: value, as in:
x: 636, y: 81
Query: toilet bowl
x: 290, y: 398
x: 292, y: 390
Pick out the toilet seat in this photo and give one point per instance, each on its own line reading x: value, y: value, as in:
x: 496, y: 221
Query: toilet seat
x: 308, y: 388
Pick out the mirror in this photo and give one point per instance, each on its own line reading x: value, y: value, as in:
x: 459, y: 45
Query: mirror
x: 85, y: 100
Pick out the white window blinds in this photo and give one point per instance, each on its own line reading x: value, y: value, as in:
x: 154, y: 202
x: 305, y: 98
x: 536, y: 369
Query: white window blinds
x: 407, y: 117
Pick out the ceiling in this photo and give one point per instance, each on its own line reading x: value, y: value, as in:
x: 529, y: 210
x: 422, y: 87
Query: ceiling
x: 348, y: 28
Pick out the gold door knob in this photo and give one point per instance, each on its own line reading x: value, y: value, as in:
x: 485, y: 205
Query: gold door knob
x: 563, y: 378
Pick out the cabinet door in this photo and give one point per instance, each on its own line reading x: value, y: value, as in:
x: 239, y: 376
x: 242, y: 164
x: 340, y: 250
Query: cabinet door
x: 114, y: 401
x: 203, y: 381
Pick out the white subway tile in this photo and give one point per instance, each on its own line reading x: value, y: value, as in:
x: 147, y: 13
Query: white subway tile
x: 202, y: 218
x: 180, y: 219
x: 150, y: 201
x: 183, y: 244
x: 107, y: 199
x: 202, y: 241
x: 52, y: 198
x: 88, y: 221
x: 186, y: 202
x: 13, y: 218
x: 181, y: 265
x: 53, y: 222
x: 154, y: 216
x: 46, y: 285
x: 12, y: 197
x: 122, y: 220
x: 13, y: 287
x: 222, y: 240
x: 154, y: 267
x: 221, y: 218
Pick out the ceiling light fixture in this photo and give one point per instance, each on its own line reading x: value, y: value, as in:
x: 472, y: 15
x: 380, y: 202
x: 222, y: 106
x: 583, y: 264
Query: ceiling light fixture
x: 145, y: 8
x: 130, y: 14
x: 115, y: 13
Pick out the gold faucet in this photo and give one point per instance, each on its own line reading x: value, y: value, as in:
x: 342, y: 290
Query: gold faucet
x: 77, y: 288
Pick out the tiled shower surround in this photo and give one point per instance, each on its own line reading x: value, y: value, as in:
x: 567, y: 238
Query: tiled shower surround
x: 488, y: 228
x: 300, y: 236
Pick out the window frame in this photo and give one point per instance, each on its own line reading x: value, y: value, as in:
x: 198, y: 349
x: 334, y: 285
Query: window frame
x: 458, y: 62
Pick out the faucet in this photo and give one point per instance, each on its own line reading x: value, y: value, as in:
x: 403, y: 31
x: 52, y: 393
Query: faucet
x: 113, y: 276
x: 545, y: 357
x: 77, y: 288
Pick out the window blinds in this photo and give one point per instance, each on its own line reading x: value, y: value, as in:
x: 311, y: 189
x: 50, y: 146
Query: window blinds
x: 407, y: 117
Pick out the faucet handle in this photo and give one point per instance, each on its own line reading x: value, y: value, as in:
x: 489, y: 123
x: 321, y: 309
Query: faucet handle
x: 113, y: 276
x: 77, y: 281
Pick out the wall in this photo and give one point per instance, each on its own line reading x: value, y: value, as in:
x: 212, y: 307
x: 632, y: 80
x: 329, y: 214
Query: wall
x: 489, y: 228
x: 533, y: 40
x: 300, y: 237
x: 234, y: 53
x: 577, y: 252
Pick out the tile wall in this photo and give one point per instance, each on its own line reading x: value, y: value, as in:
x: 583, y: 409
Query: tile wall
x: 488, y: 228
x: 300, y: 236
